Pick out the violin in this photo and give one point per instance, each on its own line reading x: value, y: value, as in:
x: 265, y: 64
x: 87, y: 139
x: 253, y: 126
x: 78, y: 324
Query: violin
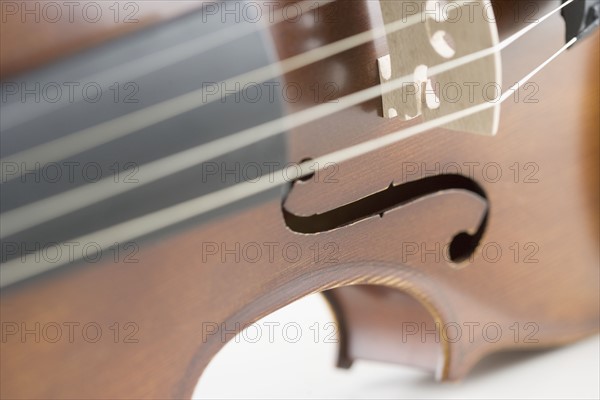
x: 172, y: 173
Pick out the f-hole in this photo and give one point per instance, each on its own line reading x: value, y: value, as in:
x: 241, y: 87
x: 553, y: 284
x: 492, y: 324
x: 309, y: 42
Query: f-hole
x: 461, y: 247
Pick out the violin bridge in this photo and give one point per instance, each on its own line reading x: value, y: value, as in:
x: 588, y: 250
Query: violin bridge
x: 447, y: 31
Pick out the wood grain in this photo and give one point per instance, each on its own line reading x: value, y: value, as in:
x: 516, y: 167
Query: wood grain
x: 176, y: 294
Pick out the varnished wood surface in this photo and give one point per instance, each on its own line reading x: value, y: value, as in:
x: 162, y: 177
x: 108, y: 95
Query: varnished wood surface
x: 173, y: 291
x: 35, y: 32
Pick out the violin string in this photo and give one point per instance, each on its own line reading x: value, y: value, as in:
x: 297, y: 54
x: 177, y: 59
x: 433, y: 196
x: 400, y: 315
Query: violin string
x: 18, y: 113
x: 88, y: 138
x: 116, y: 128
x: 38, y: 212
x: 14, y: 270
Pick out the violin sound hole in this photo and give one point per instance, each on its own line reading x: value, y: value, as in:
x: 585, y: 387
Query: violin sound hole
x: 309, y: 176
x: 461, y: 247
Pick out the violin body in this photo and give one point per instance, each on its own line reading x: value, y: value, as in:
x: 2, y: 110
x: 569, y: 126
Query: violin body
x: 531, y: 281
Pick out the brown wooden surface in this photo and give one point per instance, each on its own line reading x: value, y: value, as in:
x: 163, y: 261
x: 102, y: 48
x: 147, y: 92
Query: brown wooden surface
x: 172, y: 292
x: 33, y: 32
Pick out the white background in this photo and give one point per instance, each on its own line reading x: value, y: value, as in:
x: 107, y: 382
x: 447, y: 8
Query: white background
x: 275, y: 367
